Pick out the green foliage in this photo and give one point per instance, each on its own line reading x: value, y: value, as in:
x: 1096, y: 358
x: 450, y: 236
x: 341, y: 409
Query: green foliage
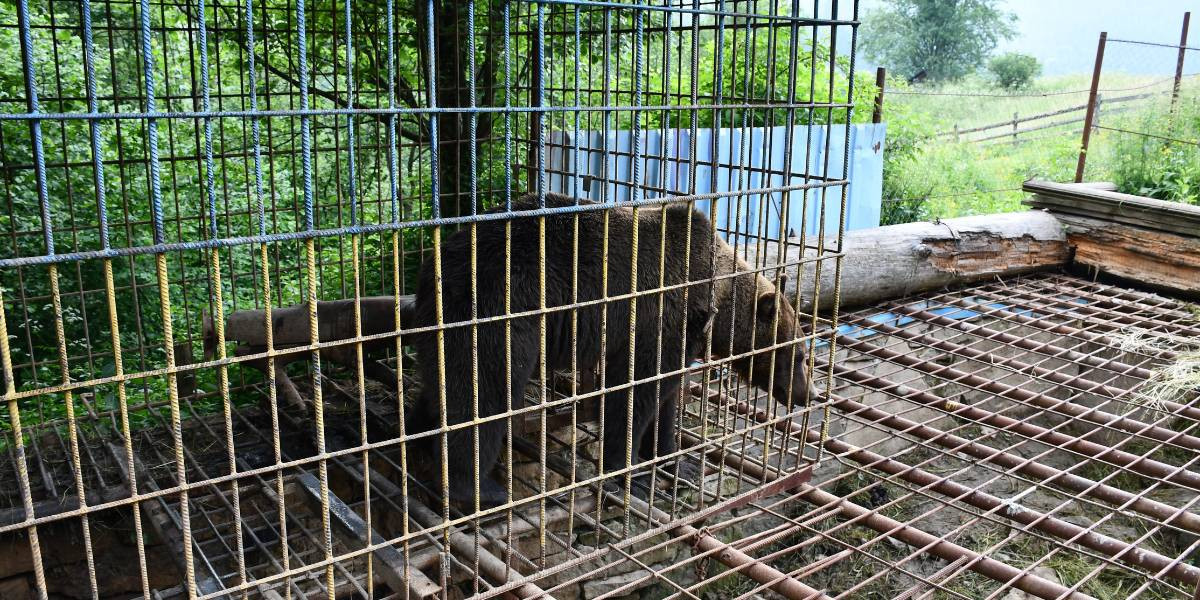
x: 935, y: 177
x: 1014, y: 70
x: 943, y: 39
x: 732, y: 70
x: 908, y: 133
x: 1167, y: 169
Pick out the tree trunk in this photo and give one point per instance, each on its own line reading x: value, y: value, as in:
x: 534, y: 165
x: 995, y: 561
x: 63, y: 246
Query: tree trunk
x: 453, y: 83
x: 895, y: 261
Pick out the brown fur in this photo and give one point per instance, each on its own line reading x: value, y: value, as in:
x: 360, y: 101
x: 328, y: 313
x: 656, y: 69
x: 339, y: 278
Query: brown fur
x: 659, y: 345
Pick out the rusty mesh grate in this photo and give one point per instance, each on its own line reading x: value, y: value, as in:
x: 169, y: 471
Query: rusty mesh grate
x: 986, y: 442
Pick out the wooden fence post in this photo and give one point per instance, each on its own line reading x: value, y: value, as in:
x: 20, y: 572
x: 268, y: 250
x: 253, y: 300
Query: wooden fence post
x: 1183, y: 40
x: 880, y: 84
x: 1091, y: 111
x: 1016, y: 117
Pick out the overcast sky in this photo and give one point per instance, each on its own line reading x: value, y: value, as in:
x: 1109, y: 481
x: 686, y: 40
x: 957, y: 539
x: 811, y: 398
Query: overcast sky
x: 1062, y: 33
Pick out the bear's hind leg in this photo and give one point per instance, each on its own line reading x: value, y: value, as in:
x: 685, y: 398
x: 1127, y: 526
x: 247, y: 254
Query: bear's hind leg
x: 660, y: 440
x: 461, y: 464
x: 618, y: 436
x: 492, y: 401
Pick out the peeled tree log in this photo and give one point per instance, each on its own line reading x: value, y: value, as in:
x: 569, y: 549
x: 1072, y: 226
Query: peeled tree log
x: 290, y: 329
x: 335, y: 321
x: 899, y: 260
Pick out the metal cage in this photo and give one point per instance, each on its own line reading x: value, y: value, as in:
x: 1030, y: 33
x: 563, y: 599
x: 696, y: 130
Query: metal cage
x: 217, y: 214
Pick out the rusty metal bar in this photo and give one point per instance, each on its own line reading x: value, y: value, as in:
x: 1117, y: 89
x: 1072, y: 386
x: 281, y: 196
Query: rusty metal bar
x: 1019, y: 366
x: 46, y: 508
x: 946, y: 550
x: 1050, y: 475
x: 489, y: 565
x: 1048, y: 348
x: 1183, y: 41
x: 955, y: 492
x: 1139, y: 464
x: 749, y: 566
x: 1090, y: 119
x: 1065, y: 407
x: 1109, y: 314
x: 163, y: 520
x: 731, y: 557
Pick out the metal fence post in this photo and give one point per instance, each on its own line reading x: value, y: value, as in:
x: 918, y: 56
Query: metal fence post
x: 1183, y: 40
x: 1091, y: 111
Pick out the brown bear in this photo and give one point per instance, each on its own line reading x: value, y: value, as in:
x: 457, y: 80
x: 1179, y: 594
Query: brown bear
x: 660, y: 345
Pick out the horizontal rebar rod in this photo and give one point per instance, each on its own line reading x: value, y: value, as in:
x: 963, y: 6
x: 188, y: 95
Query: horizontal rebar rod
x: 350, y: 526
x: 923, y: 541
x: 1047, y: 348
x: 1139, y: 464
x: 946, y: 550
x: 59, y: 505
x: 1065, y: 407
x: 735, y: 559
x: 1075, y: 483
x: 955, y: 492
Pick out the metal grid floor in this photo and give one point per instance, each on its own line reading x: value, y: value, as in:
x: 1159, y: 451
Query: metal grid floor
x: 991, y: 442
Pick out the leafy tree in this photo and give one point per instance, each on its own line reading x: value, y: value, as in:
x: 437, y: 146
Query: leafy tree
x: 938, y: 40
x: 1014, y: 70
x: 588, y: 62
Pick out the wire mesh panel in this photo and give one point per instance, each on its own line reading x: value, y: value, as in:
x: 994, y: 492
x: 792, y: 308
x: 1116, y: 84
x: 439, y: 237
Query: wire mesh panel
x: 401, y: 298
x: 1151, y: 145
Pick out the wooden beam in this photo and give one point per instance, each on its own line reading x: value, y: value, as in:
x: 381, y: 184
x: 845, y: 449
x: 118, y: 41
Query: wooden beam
x: 1155, y: 259
x: 352, y: 530
x: 165, y: 522
x: 1098, y: 203
x: 335, y: 321
x: 898, y: 260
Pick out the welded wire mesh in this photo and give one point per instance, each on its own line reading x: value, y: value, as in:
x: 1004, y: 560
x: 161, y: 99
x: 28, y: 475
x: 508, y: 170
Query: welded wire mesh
x: 1155, y: 143
x: 222, y: 375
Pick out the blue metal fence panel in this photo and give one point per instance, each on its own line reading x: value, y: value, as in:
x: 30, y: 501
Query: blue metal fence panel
x: 747, y: 159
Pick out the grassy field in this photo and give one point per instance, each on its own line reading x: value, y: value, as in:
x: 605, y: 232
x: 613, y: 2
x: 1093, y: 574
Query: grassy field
x: 931, y: 176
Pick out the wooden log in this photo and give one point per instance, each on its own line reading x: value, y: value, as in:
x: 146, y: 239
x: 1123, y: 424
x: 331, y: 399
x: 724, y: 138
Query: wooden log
x: 335, y: 321
x: 352, y: 530
x: 1156, y: 259
x: 898, y: 260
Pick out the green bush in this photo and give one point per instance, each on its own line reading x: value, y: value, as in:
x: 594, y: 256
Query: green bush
x: 908, y: 133
x: 1014, y: 70
x: 1166, y: 167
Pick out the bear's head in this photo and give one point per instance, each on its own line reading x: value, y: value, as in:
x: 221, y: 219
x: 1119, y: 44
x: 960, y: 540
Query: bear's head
x: 779, y: 363
x: 757, y: 326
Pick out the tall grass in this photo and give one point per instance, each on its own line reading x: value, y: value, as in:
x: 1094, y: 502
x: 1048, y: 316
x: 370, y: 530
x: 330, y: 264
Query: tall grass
x: 1165, y: 166
x: 928, y: 177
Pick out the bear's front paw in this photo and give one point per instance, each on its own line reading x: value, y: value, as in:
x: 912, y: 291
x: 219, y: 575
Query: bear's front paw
x: 686, y: 469
x: 639, y: 487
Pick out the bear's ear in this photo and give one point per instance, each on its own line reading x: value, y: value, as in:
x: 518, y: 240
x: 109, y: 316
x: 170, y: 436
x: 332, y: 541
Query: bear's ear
x: 767, y: 303
x: 783, y: 279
